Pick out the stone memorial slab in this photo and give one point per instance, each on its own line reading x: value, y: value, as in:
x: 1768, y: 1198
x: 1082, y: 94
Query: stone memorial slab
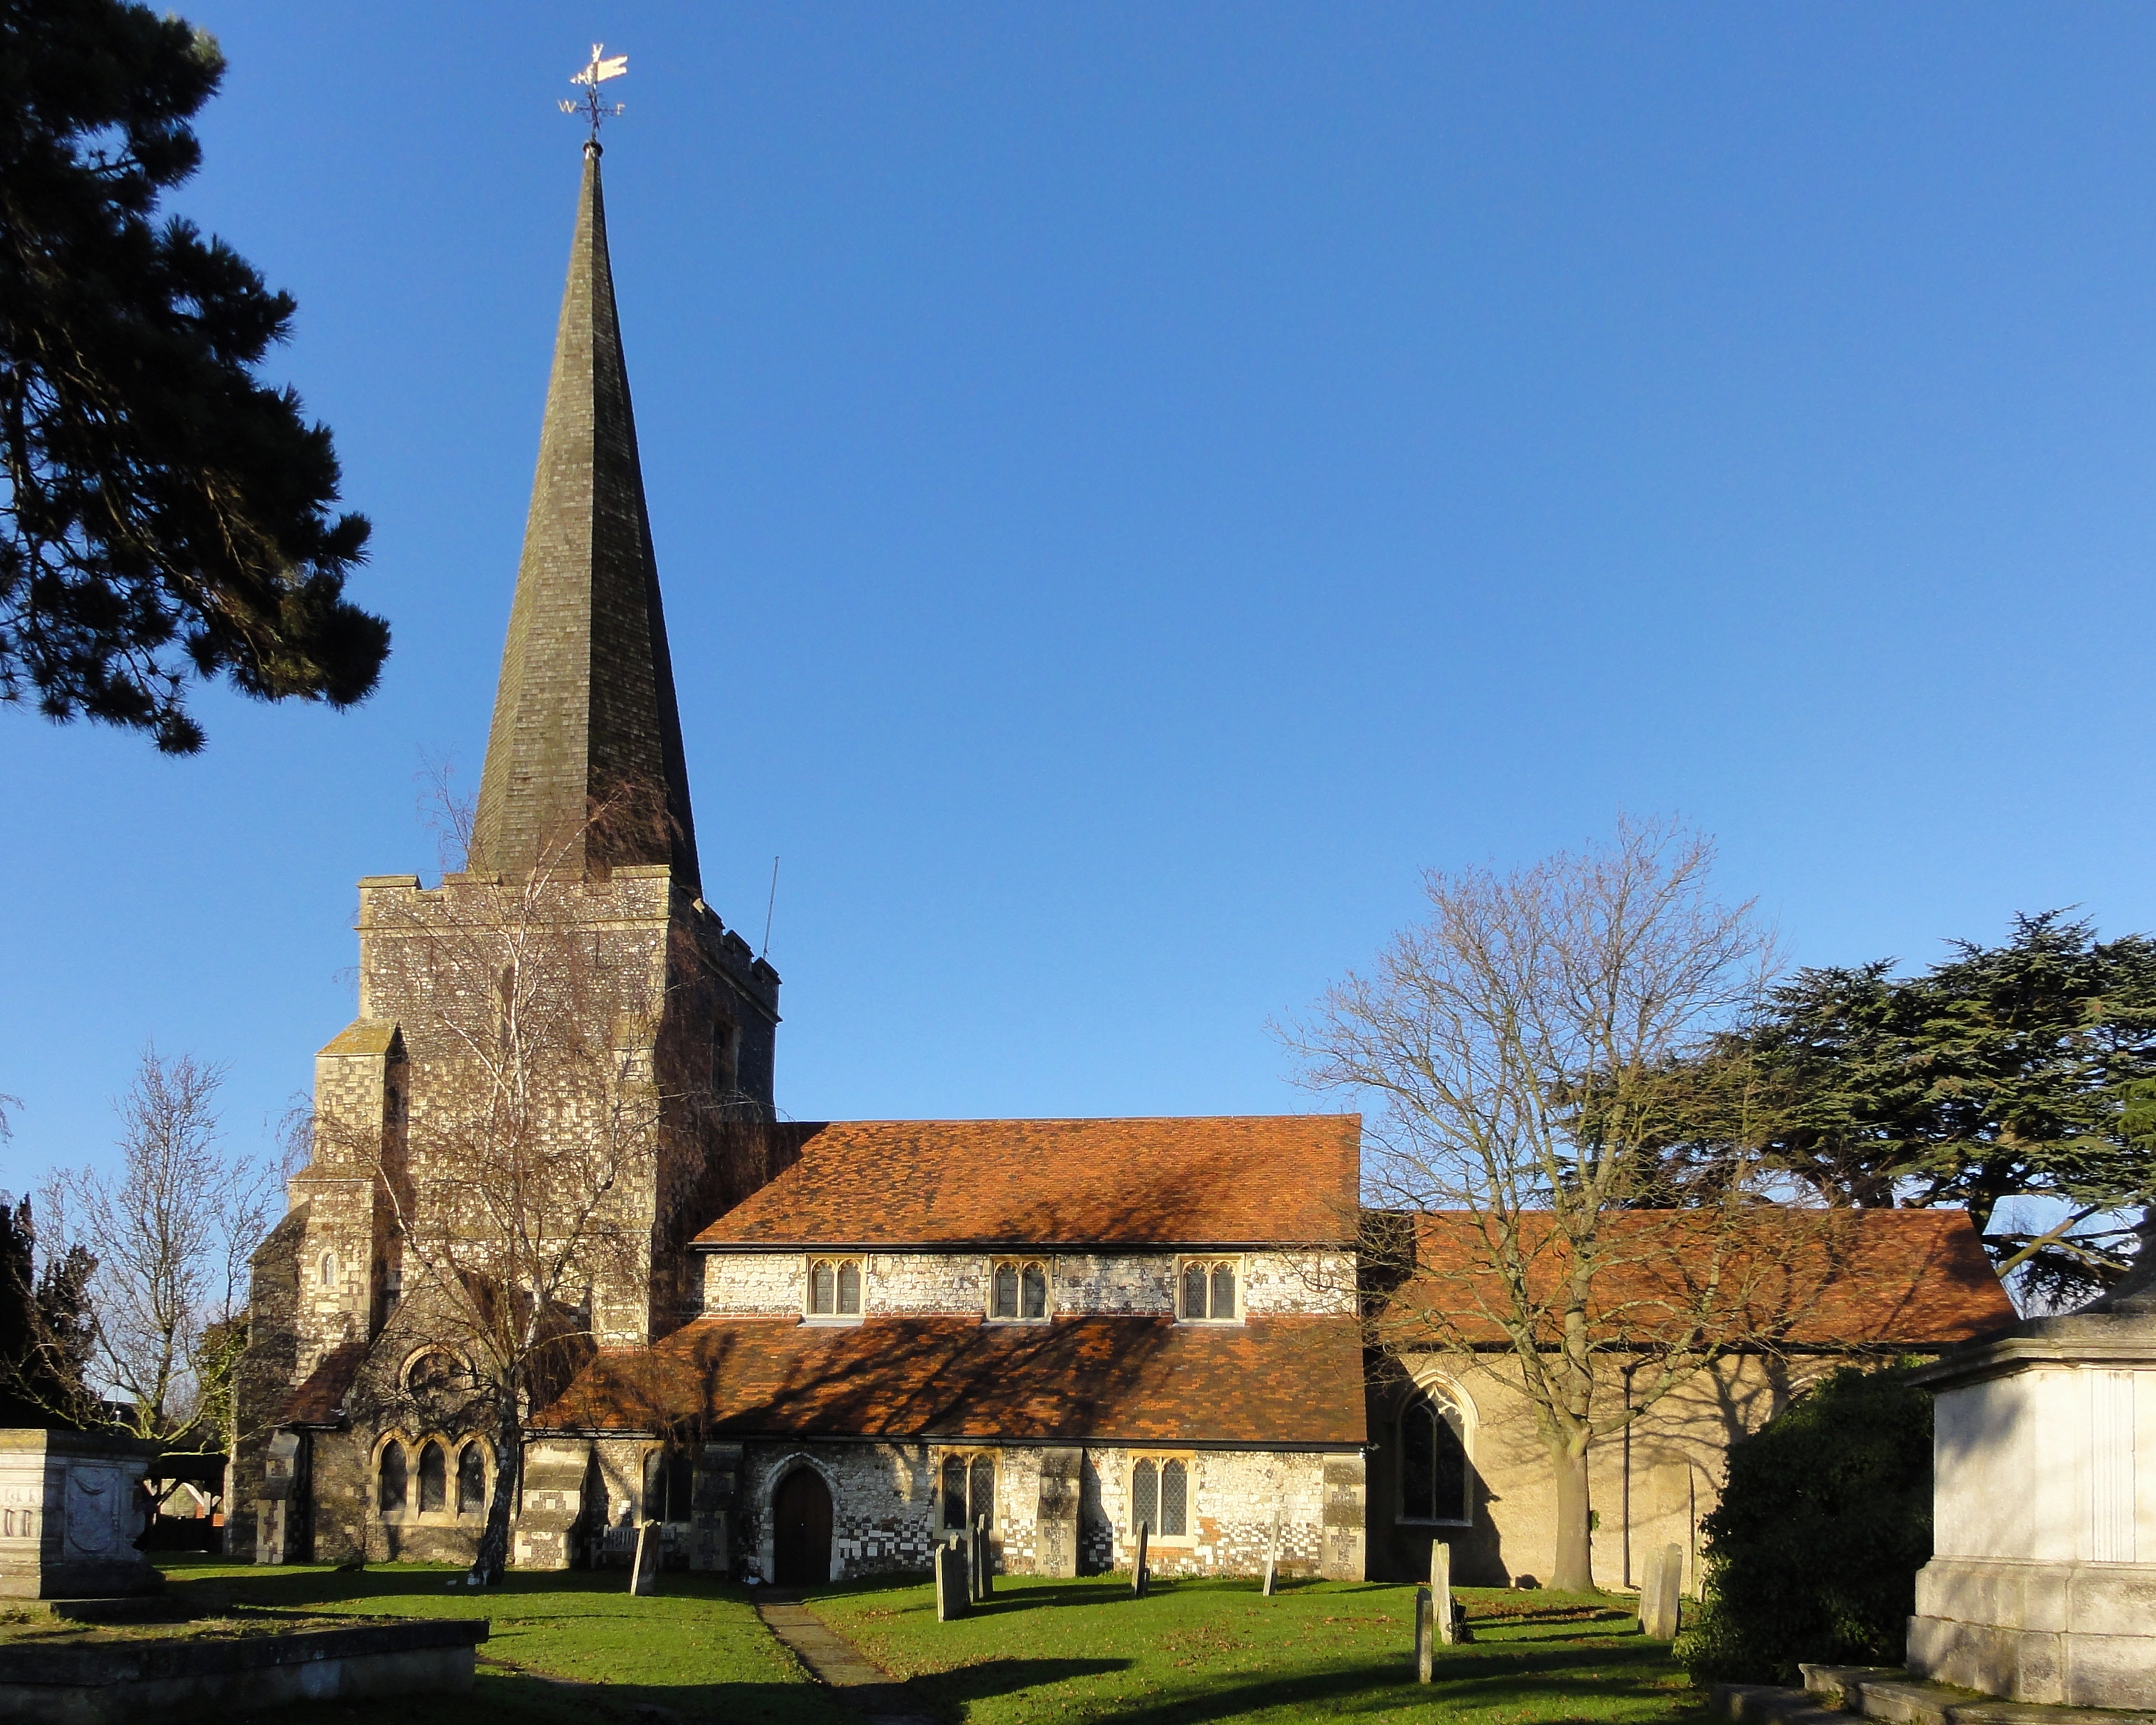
x: 1659, y: 1595
x: 1424, y: 1634
x: 952, y: 1589
x: 70, y: 1511
x: 1272, y: 1556
x: 1138, y: 1567
x: 650, y: 1549
x: 1440, y: 1588
x: 2042, y: 1586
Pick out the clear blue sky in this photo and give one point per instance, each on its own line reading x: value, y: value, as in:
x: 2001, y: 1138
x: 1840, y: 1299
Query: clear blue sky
x: 1134, y: 484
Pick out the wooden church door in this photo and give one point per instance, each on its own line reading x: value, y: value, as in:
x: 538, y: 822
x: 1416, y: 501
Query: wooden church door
x: 801, y: 1512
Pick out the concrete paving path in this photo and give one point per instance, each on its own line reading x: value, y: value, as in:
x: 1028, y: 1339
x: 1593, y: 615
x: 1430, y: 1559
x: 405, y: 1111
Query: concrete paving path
x: 857, y: 1681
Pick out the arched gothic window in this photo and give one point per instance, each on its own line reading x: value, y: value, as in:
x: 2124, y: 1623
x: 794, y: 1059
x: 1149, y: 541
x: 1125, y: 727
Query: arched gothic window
x: 471, y: 1481
x: 834, y: 1288
x: 389, y: 1496
x: 980, y: 1491
x: 1144, y: 1497
x: 433, y: 1477
x: 328, y: 1269
x: 1174, y: 1500
x: 1433, y: 1460
x: 968, y: 1491
x: 1209, y: 1290
x: 954, y: 1491
x: 1018, y: 1289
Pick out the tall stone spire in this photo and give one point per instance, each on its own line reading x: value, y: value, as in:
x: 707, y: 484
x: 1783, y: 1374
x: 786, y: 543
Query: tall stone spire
x: 584, y: 717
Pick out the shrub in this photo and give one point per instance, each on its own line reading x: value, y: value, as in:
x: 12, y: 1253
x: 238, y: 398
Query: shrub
x: 1813, y: 1551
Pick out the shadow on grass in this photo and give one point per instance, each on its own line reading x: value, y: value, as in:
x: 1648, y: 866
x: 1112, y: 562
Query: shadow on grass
x: 1581, y: 1682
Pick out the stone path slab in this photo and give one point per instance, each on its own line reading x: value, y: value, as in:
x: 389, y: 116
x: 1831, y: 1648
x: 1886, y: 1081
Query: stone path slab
x: 856, y: 1680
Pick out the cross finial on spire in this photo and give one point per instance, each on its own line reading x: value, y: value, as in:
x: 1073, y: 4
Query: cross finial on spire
x: 590, y: 77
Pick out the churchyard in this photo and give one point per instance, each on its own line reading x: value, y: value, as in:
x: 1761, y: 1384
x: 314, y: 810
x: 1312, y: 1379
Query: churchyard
x: 576, y: 1646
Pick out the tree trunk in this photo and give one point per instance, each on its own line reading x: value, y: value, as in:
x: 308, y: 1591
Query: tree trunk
x: 493, y: 1559
x: 1572, y: 1570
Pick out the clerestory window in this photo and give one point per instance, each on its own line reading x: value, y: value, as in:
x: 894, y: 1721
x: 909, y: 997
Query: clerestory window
x: 834, y: 1287
x: 1018, y: 1291
x: 1208, y: 1290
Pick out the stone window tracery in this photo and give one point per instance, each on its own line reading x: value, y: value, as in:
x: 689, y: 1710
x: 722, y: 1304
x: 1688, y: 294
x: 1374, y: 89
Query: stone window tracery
x: 1433, y: 1454
x: 1018, y: 1291
x: 1208, y: 1290
x: 966, y: 1491
x: 834, y: 1287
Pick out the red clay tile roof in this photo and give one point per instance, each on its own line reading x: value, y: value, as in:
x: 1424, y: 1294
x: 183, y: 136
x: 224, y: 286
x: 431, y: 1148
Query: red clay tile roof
x: 1902, y: 1278
x: 1206, y: 1181
x: 319, y: 1400
x: 1274, y: 1381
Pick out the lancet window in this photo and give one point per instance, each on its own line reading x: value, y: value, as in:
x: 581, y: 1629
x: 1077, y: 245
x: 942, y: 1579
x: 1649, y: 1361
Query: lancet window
x: 966, y: 1491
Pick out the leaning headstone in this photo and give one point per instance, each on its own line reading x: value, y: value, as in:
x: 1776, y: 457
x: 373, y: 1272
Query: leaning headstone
x: 1424, y: 1654
x: 1440, y: 1588
x: 951, y: 1587
x: 1138, y: 1568
x: 984, y: 1576
x: 643, y: 1573
x: 1659, y: 1593
x: 1272, y: 1556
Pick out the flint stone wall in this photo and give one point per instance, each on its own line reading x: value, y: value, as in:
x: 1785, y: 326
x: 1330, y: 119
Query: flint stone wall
x: 744, y: 1284
x: 1063, y: 1511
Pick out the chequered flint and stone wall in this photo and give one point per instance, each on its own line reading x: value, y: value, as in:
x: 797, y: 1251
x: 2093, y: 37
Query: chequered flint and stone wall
x: 762, y: 1284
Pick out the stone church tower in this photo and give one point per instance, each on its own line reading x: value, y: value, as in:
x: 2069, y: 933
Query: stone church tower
x: 580, y: 894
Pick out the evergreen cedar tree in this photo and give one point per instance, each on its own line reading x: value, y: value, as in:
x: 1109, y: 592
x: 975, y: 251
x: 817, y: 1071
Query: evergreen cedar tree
x: 1999, y: 1072
x: 1813, y: 1553
x: 166, y: 517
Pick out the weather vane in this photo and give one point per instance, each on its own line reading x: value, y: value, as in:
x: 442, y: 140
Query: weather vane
x: 597, y: 73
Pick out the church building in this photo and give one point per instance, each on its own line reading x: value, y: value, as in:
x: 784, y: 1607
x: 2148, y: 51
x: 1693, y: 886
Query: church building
x: 808, y: 1351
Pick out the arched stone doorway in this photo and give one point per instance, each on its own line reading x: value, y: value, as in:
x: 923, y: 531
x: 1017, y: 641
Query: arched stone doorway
x: 801, y: 1528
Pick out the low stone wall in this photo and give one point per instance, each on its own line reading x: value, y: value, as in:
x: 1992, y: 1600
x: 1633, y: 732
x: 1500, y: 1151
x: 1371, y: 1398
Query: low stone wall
x: 124, y: 1681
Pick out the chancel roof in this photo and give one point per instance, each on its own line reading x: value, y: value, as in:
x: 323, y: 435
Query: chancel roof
x: 1202, y: 1181
x: 1278, y: 1382
x: 1801, y: 1280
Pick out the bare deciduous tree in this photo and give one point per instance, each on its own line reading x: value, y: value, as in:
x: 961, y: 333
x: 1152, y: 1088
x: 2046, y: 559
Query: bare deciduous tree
x: 170, y: 1237
x: 1541, y: 1054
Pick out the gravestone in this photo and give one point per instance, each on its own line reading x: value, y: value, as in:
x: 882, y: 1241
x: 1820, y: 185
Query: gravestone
x: 1138, y: 1567
x: 1425, y: 1656
x: 2042, y: 1582
x: 1440, y: 1588
x: 70, y: 1511
x: 711, y: 1492
x: 984, y: 1579
x: 644, y: 1571
x: 1055, y: 1540
x: 951, y: 1584
x: 1272, y: 1556
x: 1658, y: 1593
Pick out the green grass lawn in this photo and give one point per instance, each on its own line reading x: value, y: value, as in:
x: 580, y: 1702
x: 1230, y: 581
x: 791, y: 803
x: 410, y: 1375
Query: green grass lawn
x: 695, y: 1651
x: 575, y: 1649
x: 1062, y: 1652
